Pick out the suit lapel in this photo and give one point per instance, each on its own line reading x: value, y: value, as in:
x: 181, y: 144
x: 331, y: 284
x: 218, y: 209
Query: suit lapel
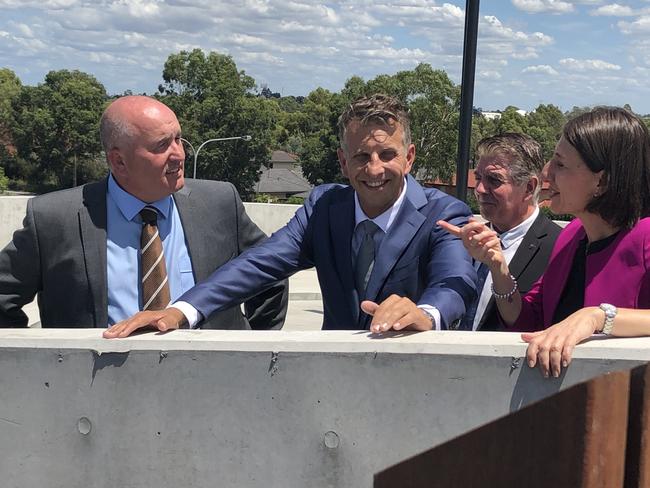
x: 92, y: 225
x: 406, y: 224
x: 193, y: 232
x: 341, y: 217
x: 528, y: 248
x: 526, y: 251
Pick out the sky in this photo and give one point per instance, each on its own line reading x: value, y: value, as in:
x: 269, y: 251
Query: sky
x: 568, y: 53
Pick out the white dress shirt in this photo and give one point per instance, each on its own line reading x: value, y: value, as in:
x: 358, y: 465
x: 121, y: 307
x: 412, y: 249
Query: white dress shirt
x: 510, y: 241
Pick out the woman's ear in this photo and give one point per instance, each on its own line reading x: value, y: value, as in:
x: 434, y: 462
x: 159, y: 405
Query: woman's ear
x: 602, y: 184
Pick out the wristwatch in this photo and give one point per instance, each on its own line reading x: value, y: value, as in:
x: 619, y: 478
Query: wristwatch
x: 430, y: 316
x: 610, y: 313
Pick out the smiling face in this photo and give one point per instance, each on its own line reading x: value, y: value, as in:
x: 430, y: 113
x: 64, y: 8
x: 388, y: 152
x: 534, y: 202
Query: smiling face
x: 572, y: 185
x: 375, y: 160
x: 503, y: 202
x: 149, y: 161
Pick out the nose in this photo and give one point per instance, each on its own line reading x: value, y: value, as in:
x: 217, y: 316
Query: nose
x: 178, y: 150
x: 375, y: 166
x: 480, y: 187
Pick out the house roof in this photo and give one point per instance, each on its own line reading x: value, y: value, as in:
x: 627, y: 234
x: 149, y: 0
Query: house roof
x: 281, y: 180
x: 283, y: 157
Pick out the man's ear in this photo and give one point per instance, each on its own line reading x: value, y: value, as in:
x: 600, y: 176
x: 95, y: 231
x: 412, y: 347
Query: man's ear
x: 410, y: 158
x: 531, y: 186
x: 343, y: 162
x: 116, y: 162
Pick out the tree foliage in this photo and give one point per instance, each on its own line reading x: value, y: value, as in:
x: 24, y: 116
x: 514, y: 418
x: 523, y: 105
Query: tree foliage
x: 49, y: 132
x: 213, y: 99
x: 56, y: 130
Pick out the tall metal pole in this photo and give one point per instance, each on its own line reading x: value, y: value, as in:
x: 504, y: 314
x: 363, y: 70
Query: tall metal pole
x: 467, y: 97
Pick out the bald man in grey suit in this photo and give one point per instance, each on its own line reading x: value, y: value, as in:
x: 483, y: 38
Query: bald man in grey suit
x: 63, y: 252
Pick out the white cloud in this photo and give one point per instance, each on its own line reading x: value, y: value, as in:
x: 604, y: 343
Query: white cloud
x: 540, y: 68
x: 490, y: 75
x: 528, y: 53
x: 493, y: 26
x: 40, y: 4
x: 613, y: 10
x: 639, y: 26
x: 23, y: 29
x: 539, y: 6
x: 588, y: 65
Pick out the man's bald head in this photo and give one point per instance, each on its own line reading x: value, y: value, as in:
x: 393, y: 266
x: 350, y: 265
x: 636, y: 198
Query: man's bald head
x: 120, y: 120
x: 142, y: 140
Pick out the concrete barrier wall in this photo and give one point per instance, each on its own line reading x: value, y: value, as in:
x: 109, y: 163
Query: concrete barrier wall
x: 12, y: 213
x: 268, y: 217
x: 257, y: 409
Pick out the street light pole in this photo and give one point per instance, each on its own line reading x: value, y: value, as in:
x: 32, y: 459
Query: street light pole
x: 196, y: 153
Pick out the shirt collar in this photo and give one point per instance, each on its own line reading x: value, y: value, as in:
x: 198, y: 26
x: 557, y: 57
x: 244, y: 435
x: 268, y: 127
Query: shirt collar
x: 130, y: 206
x: 384, y: 220
x: 517, y: 232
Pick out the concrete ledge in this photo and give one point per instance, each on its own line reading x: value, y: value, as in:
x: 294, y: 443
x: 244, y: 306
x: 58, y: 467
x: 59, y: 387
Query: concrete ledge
x: 257, y: 409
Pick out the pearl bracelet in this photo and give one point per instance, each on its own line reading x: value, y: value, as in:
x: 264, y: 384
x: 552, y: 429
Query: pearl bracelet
x: 505, y: 296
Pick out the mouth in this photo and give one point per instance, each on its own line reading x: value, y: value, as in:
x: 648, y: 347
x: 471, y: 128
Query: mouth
x: 375, y: 183
x: 173, y: 171
x: 552, y: 193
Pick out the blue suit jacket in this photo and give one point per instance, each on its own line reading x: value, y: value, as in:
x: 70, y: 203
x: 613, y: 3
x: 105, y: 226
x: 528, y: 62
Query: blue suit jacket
x: 416, y: 258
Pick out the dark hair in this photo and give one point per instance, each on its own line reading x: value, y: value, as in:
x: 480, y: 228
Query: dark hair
x: 524, y: 154
x: 378, y: 108
x: 615, y: 141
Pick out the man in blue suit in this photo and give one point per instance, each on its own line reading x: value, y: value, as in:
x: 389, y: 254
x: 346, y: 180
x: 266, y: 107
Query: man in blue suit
x: 401, y: 271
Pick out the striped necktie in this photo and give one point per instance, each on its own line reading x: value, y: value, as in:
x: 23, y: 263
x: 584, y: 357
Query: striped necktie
x: 155, y: 288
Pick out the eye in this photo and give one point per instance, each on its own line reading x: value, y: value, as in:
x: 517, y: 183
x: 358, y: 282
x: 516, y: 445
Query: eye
x: 388, y: 155
x: 494, y: 182
x: 360, y: 158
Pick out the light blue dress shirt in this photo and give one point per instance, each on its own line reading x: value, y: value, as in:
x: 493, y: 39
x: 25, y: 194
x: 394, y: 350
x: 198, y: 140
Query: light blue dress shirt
x: 124, y: 227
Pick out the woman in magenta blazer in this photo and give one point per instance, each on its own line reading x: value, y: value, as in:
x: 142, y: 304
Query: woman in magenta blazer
x: 598, y: 275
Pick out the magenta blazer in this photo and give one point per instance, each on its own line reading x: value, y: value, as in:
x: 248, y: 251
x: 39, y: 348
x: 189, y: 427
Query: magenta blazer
x: 619, y: 274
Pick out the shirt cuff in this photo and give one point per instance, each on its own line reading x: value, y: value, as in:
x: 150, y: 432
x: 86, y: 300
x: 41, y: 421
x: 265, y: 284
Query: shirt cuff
x: 435, y: 313
x: 192, y: 315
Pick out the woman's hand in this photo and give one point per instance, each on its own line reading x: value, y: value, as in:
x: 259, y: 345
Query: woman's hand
x: 552, y: 348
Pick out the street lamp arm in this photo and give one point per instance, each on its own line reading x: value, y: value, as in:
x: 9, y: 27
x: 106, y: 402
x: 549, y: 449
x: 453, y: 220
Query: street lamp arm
x: 218, y: 139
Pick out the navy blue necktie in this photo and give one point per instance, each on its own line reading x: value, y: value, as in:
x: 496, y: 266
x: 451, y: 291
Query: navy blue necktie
x: 365, y: 259
x: 468, y: 320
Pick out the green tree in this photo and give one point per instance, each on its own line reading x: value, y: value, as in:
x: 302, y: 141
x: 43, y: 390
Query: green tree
x: 56, y: 131
x: 512, y: 121
x: 318, y: 123
x: 545, y: 126
x: 10, y: 88
x: 213, y: 99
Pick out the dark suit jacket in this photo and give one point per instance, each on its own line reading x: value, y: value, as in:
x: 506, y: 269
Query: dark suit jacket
x: 527, y: 265
x: 416, y: 258
x: 60, y: 253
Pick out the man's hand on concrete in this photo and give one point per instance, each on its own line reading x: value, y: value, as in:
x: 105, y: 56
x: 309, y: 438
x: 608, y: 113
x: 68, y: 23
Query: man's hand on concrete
x: 163, y: 320
x: 396, y: 313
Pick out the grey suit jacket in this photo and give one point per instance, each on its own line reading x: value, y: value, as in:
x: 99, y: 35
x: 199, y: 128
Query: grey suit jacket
x: 527, y: 265
x: 60, y: 254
